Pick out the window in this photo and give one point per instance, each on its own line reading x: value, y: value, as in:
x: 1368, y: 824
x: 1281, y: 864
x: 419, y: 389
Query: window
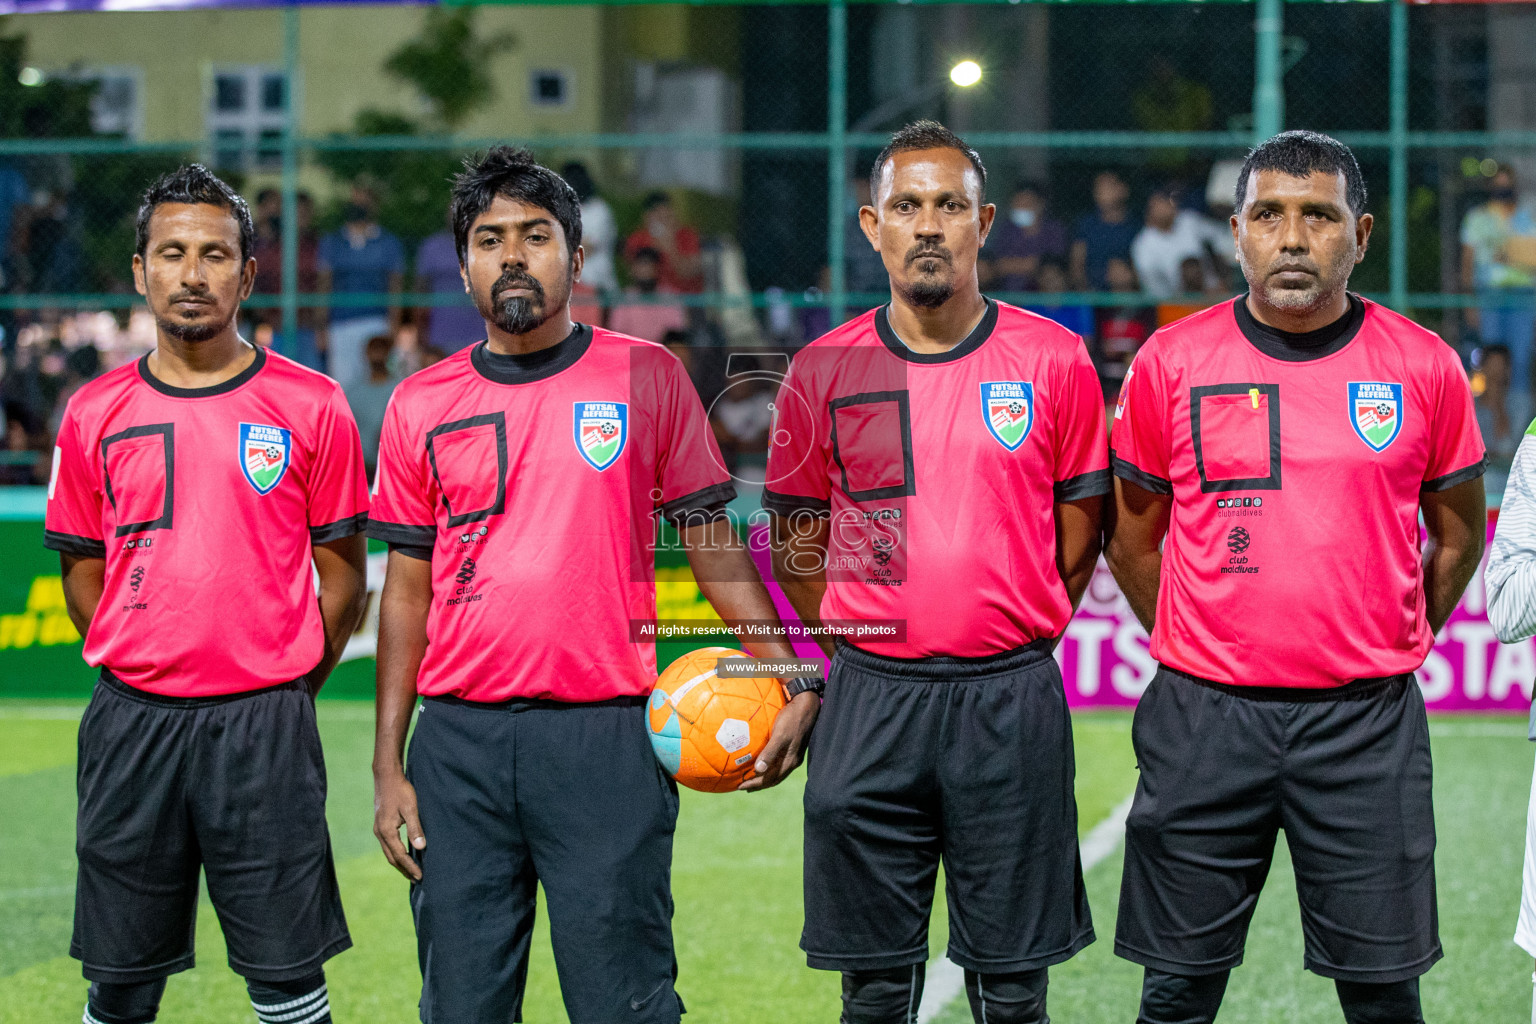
x: 247, y: 110
x: 117, y: 107
x: 549, y: 88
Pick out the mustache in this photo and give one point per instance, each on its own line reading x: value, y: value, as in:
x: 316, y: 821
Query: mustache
x: 921, y: 251
x: 1289, y: 266
x: 190, y: 295
x: 518, y: 279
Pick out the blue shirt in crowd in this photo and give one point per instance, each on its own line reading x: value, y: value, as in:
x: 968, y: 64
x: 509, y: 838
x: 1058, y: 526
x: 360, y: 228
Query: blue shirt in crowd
x: 1105, y: 242
x: 364, y: 268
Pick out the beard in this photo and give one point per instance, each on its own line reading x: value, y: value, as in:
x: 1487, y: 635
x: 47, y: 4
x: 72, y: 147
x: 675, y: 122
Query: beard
x: 183, y: 331
x: 929, y: 290
x: 188, y: 330
x: 518, y: 314
x: 1323, y: 287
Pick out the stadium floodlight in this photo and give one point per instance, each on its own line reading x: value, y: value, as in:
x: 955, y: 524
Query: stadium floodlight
x: 30, y: 76
x: 965, y: 74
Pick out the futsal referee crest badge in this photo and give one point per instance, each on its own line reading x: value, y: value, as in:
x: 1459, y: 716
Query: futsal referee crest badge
x: 264, y: 455
x: 602, y: 428
x: 1009, y: 409
x: 1376, y: 409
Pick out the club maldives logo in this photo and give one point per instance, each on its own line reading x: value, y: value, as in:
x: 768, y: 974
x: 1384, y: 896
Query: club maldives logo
x: 264, y: 455
x: 1009, y: 409
x: 1376, y: 409
x: 601, y: 430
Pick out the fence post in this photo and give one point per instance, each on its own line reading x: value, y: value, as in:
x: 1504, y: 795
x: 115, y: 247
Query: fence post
x: 837, y: 154
x: 288, y: 344
x: 1268, y: 84
x: 1399, y: 156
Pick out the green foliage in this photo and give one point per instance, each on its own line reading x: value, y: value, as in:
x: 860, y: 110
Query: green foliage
x: 106, y: 199
x: 56, y: 108
x: 448, y: 64
x: 412, y: 185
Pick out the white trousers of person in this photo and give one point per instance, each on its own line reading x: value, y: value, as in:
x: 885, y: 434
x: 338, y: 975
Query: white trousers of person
x: 1525, y: 928
x: 345, y: 361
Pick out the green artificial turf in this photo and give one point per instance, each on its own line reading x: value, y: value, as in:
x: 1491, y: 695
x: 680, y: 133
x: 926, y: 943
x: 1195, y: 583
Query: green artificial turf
x: 737, y: 885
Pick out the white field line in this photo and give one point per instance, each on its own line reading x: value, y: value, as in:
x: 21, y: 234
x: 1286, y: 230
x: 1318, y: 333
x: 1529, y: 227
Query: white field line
x: 41, y: 893
x: 946, y: 982
x: 343, y: 709
x: 1472, y: 727
x: 53, y: 712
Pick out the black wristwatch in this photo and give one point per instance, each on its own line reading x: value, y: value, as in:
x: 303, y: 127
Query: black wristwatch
x: 799, y: 684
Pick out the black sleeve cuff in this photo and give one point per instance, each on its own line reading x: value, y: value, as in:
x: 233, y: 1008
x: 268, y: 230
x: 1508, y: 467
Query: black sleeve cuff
x: 1461, y: 476
x: 1085, y: 485
x: 70, y: 544
x: 413, y: 551
x: 789, y: 504
x: 402, y: 534
x: 1146, y: 481
x: 348, y: 527
x: 699, y: 507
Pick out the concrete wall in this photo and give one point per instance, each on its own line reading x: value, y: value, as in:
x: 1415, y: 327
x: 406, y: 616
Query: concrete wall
x: 342, y: 51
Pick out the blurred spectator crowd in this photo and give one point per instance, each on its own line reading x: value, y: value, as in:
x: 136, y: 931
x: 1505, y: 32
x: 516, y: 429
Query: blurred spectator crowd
x: 391, y: 309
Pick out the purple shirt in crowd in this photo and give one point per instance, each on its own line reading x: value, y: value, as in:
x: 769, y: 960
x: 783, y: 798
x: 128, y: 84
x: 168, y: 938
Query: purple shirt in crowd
x: 1007, y: 239
x: 451, y: 327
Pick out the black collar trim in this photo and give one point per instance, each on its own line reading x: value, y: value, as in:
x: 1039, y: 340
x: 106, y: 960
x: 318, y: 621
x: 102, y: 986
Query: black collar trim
x: 525, y: 369
x: 1304, y: 347
x: 973, y: 341
x: 227, y: 386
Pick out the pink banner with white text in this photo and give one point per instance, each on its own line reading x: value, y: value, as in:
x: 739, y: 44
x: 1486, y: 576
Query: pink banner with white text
x: 1105, y: 661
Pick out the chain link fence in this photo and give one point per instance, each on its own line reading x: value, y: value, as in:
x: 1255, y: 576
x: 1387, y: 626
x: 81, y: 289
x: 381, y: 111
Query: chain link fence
x: 723, y: 151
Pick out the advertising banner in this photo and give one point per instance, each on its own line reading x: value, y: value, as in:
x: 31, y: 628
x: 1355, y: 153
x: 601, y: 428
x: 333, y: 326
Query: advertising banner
x: 1104, y: 656
x: 1105, y: 662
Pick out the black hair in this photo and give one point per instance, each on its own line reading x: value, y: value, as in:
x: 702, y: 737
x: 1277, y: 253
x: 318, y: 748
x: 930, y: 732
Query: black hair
x: 265, y: 194
x: 1494, y: 350
x: 511, y: 172
x: 645, y: 253
x: 654, y: 200
x: 1030, y: 185
x: 1299, y: 154
x: 194, y: 183
x: 924, y: 135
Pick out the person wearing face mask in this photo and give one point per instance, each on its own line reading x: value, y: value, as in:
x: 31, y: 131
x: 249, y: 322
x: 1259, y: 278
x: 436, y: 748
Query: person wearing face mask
x: 1498, y: 264
x: 1020, y: 241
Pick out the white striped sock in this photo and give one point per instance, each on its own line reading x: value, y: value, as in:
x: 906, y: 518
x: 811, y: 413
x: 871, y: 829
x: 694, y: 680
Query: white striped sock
x: 289, y: 1005
x: 305, y: 1009
x: 322, y: 1012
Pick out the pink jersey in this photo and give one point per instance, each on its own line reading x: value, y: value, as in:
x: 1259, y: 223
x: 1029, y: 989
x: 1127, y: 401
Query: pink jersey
x: 941, y: 473
x: 206, y: 503
x: 1292, y: 556
x: 532, y: 484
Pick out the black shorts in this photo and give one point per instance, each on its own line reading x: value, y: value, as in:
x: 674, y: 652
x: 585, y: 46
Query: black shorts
x: 234, y: 785
x: 968, y: 760
x: 569, y: 796
x: 1346, y: 773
